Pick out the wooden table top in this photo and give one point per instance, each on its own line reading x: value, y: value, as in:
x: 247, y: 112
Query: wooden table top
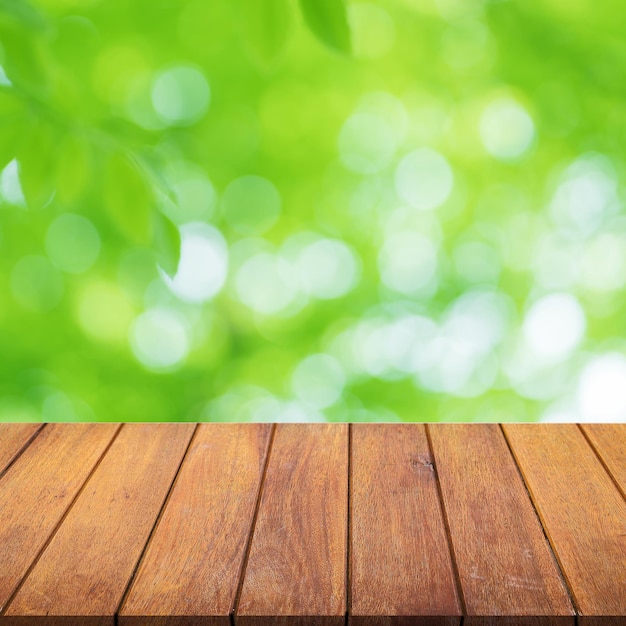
x: 257, y: 524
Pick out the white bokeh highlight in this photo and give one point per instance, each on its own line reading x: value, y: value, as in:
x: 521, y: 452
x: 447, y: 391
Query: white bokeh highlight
x: 424, y: 179
x: 554, y: 326
x: 318, y: 381
x: 601, y: 395
x: 506, y: 129
x: 159, y: 339
x: 203, y: 264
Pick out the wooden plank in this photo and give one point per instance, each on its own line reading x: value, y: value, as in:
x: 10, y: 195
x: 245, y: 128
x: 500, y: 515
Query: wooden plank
x: 504, y: 562
x: 86, y: 567
x: 582, y: 511
x: 193, y: 563
x: 13, y: 437
x: 38, y: 488
x: 400, y: 557
x: 609, y: 440
x: 297, y: 562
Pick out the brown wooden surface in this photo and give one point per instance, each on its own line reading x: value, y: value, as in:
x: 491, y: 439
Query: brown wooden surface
x: 85, y: 568
x: 582, y: 511
x: 609, y: 443
x: 369, y: 524
x: 37, y: 490
x: 400, y: 561
x: 13, y: 438
x: 504, y: 561
x: 297, y: 560
x: 193, y: 564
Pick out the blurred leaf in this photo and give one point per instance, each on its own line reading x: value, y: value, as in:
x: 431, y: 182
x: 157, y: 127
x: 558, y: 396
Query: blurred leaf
x: 11, y: 136
x: 328, y: 21
x: 166, y: 243
x: 11, y: 106
x: 25, y: 57
x: 128, y: 198
x: 73, y: 168
x: 37, y: 157
x: 22, y: 13
x: 266, y: 25
x: 12, y: 125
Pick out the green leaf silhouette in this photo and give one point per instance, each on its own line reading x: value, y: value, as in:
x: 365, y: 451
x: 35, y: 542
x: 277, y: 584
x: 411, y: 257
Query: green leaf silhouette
x: 329, y: 22
x: 128, y: 198
x: 266, y: 26
x: 12, y: 126
x: 166, y: 243
x: 36, y: 159
x: 73, y: 168
x: 25, y: 58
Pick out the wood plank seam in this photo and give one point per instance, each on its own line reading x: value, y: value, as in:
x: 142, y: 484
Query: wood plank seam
x: 349, y: 532
x: 154, y: 527
x: 257, y: 504
x: 444, y: 516
x: 542, y: 522
x: 21, y: 451
x: 32, y: 566
x: 594, y: 451
x: 295, y: 572
x: 602, y: 461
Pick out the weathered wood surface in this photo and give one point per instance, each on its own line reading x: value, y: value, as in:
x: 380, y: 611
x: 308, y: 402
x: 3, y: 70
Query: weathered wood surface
x: 13, y: 438
x: 86, y: 566
x: 297, y: 560
x: 368, y: 524
x: 38, y: 489
x: 583, y: 512
x: 608, y: 441
x: 193, y: 563
x: 400, y: 561
x: 505, y: 564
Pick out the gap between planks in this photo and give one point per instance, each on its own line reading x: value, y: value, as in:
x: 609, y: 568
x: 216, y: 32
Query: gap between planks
x: 154, y: 527
x: 446, y: 523
x: 255, y: 515
x: 21, y: 450
x: 583, y: 429
x: 557, y: 563
x: 49, y: 539
x: 349, y: 518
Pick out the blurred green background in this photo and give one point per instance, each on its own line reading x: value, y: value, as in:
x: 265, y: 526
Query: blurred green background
x: 271, y: 210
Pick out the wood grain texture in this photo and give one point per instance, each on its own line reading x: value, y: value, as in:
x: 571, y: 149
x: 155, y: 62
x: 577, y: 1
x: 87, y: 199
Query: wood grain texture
x: 38, y: 488
x: 297, y: 560
x: 504, y: 562
x: 194, y: 560
x: 400, y: 557
x: 581, y: 509
x: 13, y: 437
x: 87, y: 565
x: 55, y: 620
x: 609, y: 440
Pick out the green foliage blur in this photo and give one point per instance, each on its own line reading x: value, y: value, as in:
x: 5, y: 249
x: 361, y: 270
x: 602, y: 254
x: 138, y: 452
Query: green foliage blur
x: 282, y: 210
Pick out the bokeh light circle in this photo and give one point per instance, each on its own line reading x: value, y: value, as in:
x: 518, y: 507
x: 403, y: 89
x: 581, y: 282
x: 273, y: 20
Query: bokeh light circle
x: 159, y: 339
x: 327, y: 269
x: 554, y: 326
x: 424, y: 179
x: 251, y: 205
x: 72, y: 243
x: 506, y: 129
x: 367, y: 143
x: 36, y: 284
x: 602, y: 389
x: 203, y: 264
x: 318, y: 381
x: 408, y: 262
x: 180, y: 95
